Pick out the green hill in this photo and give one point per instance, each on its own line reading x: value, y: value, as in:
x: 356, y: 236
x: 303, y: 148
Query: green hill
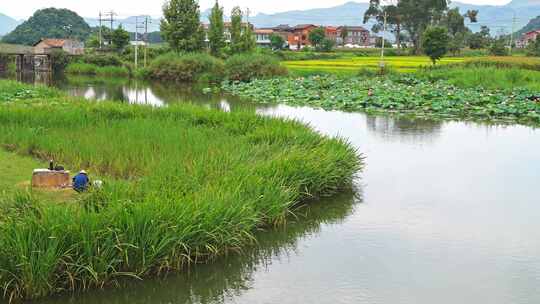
x: 534, y: 24
x: 49, y: 23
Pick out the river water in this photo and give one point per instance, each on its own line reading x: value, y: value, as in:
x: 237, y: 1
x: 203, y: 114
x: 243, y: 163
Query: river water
x: 445, y: 212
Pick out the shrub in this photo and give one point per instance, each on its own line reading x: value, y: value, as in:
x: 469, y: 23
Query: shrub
x: 189, y: 67
x: 245, y: 67
x: 81, y: 68
x: 101, y: 59
x: 326, y: 45
x: 59, y: 60
x: 498, y: 48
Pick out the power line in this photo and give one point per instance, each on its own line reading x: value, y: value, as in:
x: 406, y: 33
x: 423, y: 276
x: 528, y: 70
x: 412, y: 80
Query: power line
x: 110, y: 18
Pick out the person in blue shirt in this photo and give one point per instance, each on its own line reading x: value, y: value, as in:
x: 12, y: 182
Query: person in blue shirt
x: 81, y: 182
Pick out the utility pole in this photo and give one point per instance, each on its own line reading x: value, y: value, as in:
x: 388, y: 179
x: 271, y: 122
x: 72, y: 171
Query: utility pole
x: 512, y: 32
x: 100, y: 40
x: 247, y: 18
x: 110, y: 19
x: 136, y: 41
x: 145, y: 38
x: 137, y: 27
x: 382, y: 42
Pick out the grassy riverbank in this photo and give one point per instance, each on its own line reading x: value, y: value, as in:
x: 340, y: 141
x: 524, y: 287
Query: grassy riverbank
x: 182, y: 184
x: 16, y: 171
x: 488, y: 72
x: 397, y: 94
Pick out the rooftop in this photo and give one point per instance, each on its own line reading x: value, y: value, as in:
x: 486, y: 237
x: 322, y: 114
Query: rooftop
x: 52, y: 42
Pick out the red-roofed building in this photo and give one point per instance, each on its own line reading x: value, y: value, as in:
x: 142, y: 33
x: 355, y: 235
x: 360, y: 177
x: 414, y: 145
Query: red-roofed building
x: 331, y: 33
x: 300, y: 36
x: 356, y: 35
x: 527, y: 38
x: 72, y: 47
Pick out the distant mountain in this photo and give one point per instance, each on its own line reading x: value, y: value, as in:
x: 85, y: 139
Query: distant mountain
x: 533, y: 25
x: 351, y: 13
x: 7, y: 24
x: 500, y: 18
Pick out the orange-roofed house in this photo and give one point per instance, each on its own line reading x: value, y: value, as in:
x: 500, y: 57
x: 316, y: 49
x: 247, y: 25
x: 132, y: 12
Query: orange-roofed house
x: 331, y: 33
x: 72, y: 47
x: 300, y: 36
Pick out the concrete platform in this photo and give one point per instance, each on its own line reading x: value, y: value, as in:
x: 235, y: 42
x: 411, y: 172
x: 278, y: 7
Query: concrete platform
x: 44, y: 178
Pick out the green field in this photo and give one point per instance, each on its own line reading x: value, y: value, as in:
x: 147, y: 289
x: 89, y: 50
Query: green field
x: 351, y: 65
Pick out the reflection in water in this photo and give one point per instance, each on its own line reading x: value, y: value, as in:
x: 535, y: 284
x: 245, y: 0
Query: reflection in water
x: 30, y: 77
x: 221, y: 280
x: 150, y: 93
x: 410, y: 129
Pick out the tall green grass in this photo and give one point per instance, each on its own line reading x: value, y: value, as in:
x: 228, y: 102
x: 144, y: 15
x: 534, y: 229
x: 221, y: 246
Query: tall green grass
x: 245, y: 67
x: 92, y: 69
x: 183, y: 184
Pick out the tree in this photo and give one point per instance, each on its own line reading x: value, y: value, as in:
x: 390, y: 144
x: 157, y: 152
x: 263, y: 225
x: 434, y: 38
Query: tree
x: 248, y: 39
x: 457, y: 30
x: 317, y: 36
x: 120, y: 38
x: 435, y: 42
x: 455, y: 22
x: 481, y: 39
x: 92, y: 42
x: 498, y: 47
x: 457, y: 42
x: 393, y: 18
x: 236, y: 30
x: 379, y: 43
x: 181, y: 26
x: 216, y: 37
x: 472, y: 15
x: 277, y: 42
x: 417, y: 15
x: 49, y: 23
x: 343, y: 35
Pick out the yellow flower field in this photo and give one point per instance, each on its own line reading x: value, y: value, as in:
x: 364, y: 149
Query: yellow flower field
x: 353, y: 64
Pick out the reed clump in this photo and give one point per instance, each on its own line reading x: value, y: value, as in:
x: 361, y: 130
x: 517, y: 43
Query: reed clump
x: 183, y: 184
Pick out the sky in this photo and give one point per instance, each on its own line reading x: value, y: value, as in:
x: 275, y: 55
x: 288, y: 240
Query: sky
x: 90, y: 8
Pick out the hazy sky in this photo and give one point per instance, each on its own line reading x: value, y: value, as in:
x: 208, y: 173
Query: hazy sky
x: 90, y: 8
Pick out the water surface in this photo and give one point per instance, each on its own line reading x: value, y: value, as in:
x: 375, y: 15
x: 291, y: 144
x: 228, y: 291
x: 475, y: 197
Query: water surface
x: 446, y: 212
